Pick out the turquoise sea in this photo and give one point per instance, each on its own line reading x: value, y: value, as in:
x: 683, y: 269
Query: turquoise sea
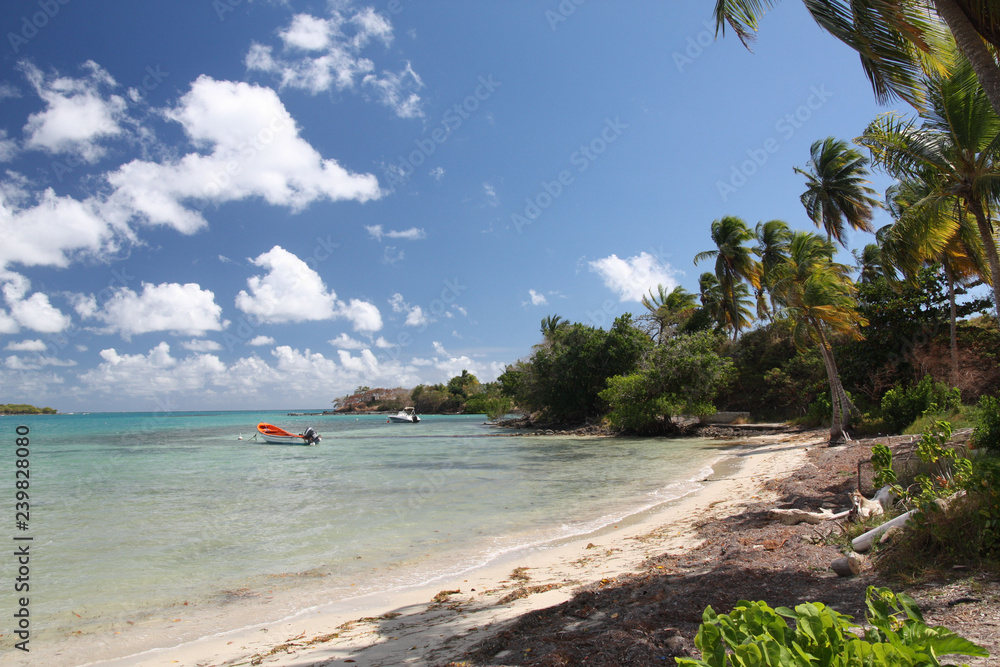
x: 143, y: 518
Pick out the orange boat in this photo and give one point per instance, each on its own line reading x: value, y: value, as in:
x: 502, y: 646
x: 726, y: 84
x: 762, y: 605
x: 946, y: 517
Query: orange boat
x: 279, y: 436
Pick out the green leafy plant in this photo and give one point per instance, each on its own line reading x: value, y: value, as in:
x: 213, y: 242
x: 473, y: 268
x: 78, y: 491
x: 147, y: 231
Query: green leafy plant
x: 902, y: 405
x: 754, y: 634
x: 987, y: 430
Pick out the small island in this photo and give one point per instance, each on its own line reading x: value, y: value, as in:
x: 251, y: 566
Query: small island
x: 25, y: 409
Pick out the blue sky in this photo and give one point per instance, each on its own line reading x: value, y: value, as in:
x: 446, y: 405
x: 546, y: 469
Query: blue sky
x: 231, y: 204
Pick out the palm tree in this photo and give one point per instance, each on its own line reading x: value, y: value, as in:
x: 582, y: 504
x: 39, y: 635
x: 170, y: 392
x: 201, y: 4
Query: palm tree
x: 954, y: 152
x: 818, y: 295
x: 734, y: 264
x: 868, y: 263
x: 926, y: 234
x: 897, y: 39
x: 837, y: 190
x: 668, y: 308
x: 716, y: 303
x: 551, y: 325
x: 772, y: 248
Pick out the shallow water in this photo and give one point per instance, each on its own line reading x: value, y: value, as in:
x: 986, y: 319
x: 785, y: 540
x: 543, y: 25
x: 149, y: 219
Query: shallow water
x: 144, y: 516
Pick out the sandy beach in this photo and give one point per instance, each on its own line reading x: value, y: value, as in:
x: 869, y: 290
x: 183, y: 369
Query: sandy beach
x: 438, y: 622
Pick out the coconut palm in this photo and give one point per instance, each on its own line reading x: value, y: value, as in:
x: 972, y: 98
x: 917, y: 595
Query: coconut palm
x: 551, y: 325
x: 897, y: 40
x: 668, y: 308
x: 932, y: 233
x: 837, y: 189
x: 954, y: 151
x: 817, y: 294
x: 772, y: 247
x: 868, y: 262
x: 717, y: 304
x: 734, y: 264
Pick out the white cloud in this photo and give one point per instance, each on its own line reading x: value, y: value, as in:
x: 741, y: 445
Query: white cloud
x: 34, y: 312
x: 26, y: 346
x: 251, y: 148
x: 53, y: 230
x: 345, y: 342
x: 181, y: 309
x: 377, y: 232
x: 37, y: 362
x: 8, y: 147
x: 491, y: 194
x: 437, y: 173
x: 323, y: 54
x: 415, y: 316
x: 537, y: 299
x: 633, y: 277
x: 260, y: 341
x: 155, y: 374
x: 289, y: 292
x: 362, y: 315
x: 201, y: 345
x: 78, y: 112
x: 293, y: 292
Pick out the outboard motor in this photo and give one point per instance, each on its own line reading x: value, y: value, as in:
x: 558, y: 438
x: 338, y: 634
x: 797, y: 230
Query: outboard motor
x: 311, y: 436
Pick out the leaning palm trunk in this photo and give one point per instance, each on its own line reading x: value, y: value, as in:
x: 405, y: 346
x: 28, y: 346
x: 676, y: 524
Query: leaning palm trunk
x: 972, y: 46
x: 843, y: 407
x: 990, y: 248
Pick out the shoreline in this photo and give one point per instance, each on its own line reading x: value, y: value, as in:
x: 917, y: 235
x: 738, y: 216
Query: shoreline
x: 427, y: 623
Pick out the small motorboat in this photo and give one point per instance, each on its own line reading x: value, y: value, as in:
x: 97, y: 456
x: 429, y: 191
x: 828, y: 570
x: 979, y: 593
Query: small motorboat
x: 273, y: 435
x: 405, y: 416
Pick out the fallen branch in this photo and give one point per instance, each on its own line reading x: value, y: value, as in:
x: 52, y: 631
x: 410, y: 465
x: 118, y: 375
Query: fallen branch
x: 863, y: 542
x: 794, y: 516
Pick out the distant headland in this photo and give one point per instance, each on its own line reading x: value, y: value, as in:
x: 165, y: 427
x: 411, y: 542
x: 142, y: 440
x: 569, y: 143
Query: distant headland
x: 24, y: 409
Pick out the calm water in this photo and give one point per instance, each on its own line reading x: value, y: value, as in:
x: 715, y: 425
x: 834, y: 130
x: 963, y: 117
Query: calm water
x: 139, y: 517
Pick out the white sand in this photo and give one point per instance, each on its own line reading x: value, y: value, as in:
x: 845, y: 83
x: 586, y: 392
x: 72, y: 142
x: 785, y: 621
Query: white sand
x: 408, y: 628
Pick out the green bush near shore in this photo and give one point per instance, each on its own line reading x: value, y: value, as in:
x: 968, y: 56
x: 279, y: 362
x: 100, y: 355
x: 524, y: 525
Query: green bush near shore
x: 24, y: 409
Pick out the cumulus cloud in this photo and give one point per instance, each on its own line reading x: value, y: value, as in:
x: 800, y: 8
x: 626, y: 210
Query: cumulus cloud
x: 415, y: 316
x: 345, y: 342
x: 201, y: 345
x: 290, y: 291
x: 377, y: 232
x: 78, y: 112
x: 49, y: 230
x: 260, y: 341
x: 8, y: 147
x: 633, y: 277
x: 321, y: 54
x: 180, y: 309
x: 250, y: 147
x: 537, y: 299
x: 36, y: 362
x: 26, y: 346
x: 33, y: 312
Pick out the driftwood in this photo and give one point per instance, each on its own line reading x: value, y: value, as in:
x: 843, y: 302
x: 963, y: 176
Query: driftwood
x: 793, y: 516
x: 863, y: 542
x: 848, y: 566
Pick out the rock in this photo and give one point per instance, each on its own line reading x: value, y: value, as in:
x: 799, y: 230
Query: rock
x: 847, y: 566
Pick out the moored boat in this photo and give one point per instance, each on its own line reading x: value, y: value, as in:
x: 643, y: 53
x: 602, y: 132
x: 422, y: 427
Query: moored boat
x: 405, y: 416
x: 274, y: 435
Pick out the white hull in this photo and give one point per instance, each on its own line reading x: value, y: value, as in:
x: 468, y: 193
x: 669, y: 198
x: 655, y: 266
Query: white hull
x: 284, y: 440
x: 404, y: 416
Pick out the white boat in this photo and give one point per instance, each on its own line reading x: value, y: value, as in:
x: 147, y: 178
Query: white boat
x: 404, y: 416
x: 273, y: 435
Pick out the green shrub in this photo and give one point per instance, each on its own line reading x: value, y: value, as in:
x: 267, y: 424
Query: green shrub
x: 987, y: 430
x: 901, y: 406
x: 754, y: 634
